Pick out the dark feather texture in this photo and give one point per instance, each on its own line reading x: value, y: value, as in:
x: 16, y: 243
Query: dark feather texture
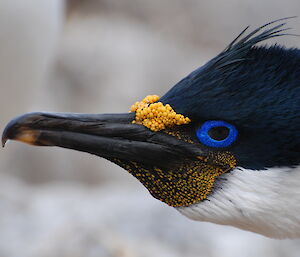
x: 256, y: 88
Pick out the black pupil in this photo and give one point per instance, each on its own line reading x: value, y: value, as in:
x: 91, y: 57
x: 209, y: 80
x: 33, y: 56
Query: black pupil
x: 218, y: 133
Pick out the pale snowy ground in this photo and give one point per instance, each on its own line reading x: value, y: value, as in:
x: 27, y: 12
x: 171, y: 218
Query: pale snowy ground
x: 109, y: 54
x: 70, y: 220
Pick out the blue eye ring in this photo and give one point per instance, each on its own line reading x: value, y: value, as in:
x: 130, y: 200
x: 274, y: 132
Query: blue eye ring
x: 206, y: 139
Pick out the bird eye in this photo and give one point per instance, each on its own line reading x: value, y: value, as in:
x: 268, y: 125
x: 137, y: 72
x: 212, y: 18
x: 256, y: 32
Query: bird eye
x: 216, y: 133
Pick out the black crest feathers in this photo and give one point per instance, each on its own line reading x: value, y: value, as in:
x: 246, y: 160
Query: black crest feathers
x: 224, y: 64
x: 236, y: 51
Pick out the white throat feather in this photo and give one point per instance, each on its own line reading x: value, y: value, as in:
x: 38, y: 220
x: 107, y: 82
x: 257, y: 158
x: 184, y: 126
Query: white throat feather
x: 262, y: 201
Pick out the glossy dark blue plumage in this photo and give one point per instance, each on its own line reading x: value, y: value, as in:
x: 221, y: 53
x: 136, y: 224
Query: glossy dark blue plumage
x: 257, y: 89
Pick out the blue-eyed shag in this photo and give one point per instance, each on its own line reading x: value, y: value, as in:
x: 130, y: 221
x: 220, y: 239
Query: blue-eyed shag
x: 221, y: 146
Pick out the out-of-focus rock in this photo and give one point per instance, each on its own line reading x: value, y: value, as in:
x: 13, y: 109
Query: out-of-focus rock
x: 29, y: 34
x: 107, y: 55
x: 72, y: 220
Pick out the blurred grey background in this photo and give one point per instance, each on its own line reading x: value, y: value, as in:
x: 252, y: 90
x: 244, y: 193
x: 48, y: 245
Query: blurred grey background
x: 102, y: 56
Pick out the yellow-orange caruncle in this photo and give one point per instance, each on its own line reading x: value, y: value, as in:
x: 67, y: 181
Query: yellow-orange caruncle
x: 155, y: 115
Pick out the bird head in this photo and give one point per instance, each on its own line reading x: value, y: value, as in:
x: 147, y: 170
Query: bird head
x: 218, y: 146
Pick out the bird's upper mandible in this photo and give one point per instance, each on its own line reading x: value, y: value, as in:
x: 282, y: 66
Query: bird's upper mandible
x: 222, y: 145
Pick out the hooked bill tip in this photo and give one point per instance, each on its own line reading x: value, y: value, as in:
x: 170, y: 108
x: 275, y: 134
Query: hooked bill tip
x: 4, y: 139
x: 9, y: 132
